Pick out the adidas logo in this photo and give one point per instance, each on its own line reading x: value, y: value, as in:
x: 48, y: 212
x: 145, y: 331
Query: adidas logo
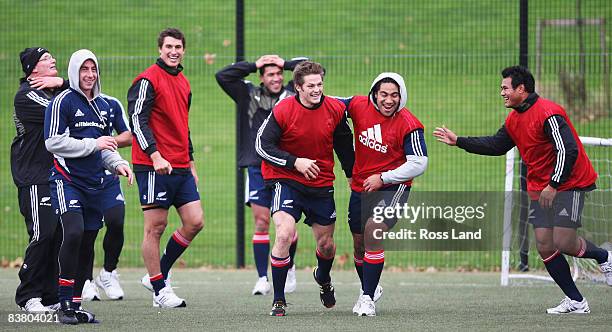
x: 564, y: 213
x: 333, y: 215
x: 120, y: 198
x: 372, y: 138
x: 79, y: 113
x: 257, y: 98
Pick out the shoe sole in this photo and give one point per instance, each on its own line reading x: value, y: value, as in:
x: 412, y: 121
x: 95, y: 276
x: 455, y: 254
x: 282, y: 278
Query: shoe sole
x: 569, y: 313
x: 182, y: 305
x: 109, y: 297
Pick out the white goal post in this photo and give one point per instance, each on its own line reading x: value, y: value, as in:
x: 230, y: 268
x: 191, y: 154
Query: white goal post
x: 508, y: 217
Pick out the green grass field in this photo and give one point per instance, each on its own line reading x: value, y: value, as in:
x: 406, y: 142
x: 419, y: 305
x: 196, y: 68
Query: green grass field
x: 450, y: 53
x: 221, y: 300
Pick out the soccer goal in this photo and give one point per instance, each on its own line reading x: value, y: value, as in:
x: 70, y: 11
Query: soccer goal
x: 519, y: 258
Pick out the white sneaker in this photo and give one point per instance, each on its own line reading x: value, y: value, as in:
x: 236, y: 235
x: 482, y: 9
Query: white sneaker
x: 109, y: 282
x: 167, y: 299
x: 90, y: 292
x: 34, y: 305
x: 606, y: 269
x: 146, y: 282
x: 569, y: 306
x: 291, y: 283
x: 366, y: 306
x: 53, y: 307
x: 377, y: 294
x: 262, y: 287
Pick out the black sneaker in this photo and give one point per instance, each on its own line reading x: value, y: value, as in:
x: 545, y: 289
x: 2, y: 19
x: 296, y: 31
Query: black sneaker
x: 84, y: 316
x: 326, y: 291
x: 66, y: 314
x: 278, y: 308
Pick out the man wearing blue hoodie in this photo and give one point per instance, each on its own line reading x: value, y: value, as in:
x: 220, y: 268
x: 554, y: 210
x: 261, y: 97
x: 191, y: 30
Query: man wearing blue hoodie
x: 78, y: 135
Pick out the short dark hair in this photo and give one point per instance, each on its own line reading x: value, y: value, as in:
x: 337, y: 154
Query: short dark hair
x: 376, y: 86
x: 262, y: 70
x: 305, y: 68
x: 520, y: 75
x: 170, y: 32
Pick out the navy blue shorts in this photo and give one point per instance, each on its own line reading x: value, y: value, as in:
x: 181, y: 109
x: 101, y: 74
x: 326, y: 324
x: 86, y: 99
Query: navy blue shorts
x: 361, y: 205
x: 66, y: 197
x: 565, y: 212
x: 166, y: 190
x: 257, y: 192
x: 112, y: 194
x: 317, y: 210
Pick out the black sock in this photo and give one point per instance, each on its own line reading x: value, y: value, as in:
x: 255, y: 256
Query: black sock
x: 560, y: 272
x: 373, y: 263
x: 72, y: 233
x: 114, y: 238
x: 86, y: 258
x: 589, y: 250
x: 280, y: 267
x: 261, y: 252
x: 293, y: 249
x: 175, y: 247
x: 324, y: 267
x: 158, y: 282
x: 359, y: 269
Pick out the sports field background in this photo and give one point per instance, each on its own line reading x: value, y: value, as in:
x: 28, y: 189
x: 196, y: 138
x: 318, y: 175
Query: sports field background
x: 219, y: 300
x: 449, y: 52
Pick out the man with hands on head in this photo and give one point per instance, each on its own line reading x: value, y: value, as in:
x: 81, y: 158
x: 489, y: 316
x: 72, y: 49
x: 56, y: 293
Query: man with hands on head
x: 254, y: 103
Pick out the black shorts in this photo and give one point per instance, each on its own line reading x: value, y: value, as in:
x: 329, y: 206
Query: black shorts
x: 361, y: 205
x: 565, y: 212
x: 166, y: 190
x: 318, y: 210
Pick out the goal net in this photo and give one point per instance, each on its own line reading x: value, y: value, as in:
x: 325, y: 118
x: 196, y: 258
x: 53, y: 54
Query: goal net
x: 520, y: 260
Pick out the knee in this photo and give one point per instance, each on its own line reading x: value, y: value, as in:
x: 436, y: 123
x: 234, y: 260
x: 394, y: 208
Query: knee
x: 283, y: 238
x: 326, y: 246
x: 358, y: 249
x: 565, y: 246
x: 155, y: 230
x: 262, y: 223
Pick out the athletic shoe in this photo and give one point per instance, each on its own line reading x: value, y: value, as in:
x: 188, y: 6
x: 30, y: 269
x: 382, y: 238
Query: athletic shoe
x: 90, y: 292
x: 84, y: 316
x: 66, y: 314
x: 366, y: 307
x: 290, y: 283
x: 606, y: 269
x: 34, y: 305
x: 146, y: 282
x: 377, y: 294
x: 109, y: 282
x: 569, y: 306
x: 262, y: 287
x: 326, y: 291
x: 167, y: 299
x: 53, y: 307
x: 278, y: 308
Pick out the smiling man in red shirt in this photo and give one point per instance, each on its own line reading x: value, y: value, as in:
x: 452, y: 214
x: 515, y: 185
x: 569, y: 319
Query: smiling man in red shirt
x: 559, y: 174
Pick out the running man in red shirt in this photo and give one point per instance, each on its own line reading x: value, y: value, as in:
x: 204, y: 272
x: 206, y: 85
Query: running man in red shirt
x: 390, y: 151
x: 296, y: 143
x: 162, y: 153
x: 559, y: 173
